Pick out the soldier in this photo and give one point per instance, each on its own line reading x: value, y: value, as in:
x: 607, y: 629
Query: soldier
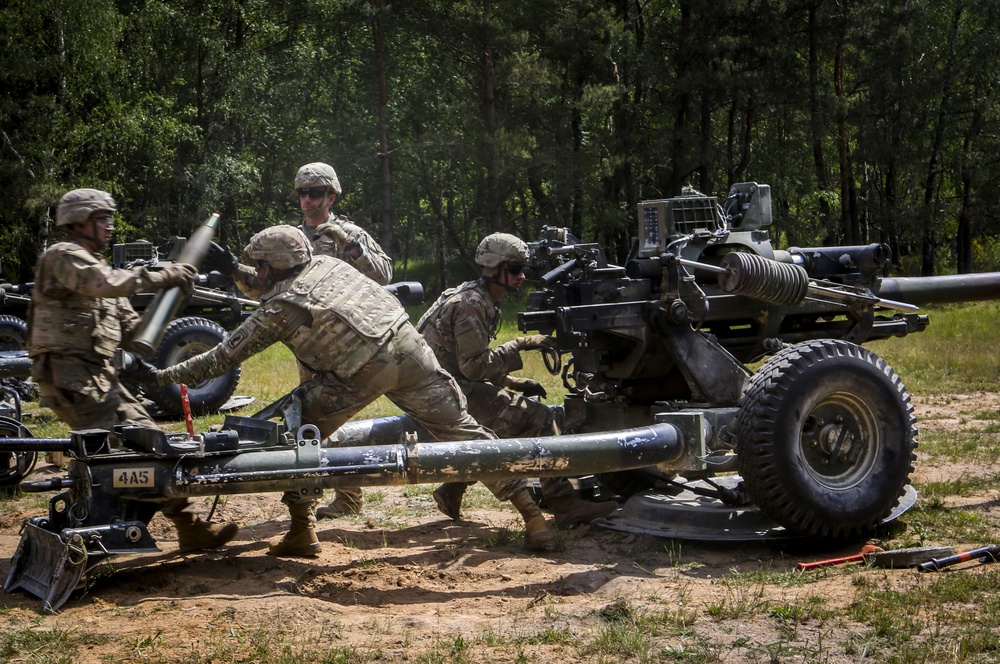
x: 317, y: 187
x: 459, y: 327
x: 80, y: 314
x: 357, y: 342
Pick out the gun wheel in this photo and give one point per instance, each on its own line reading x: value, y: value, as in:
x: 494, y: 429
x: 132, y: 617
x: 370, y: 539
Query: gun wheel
x: 13, y: 333
x: 183, y: 339
x: 826, y: 438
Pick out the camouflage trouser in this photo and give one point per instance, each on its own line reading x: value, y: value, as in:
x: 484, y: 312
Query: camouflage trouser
x: 406, y: 371
x: 86, y: 395
x: 511, y: 415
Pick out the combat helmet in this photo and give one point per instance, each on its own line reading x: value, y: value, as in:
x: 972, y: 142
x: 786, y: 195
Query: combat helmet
x: 317, y: 174
x: 79, y: 204
x: 281, y: 247
x: 500, y: 248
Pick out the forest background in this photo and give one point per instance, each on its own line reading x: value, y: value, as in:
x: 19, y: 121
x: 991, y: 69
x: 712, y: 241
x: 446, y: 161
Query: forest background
x: 873, y: 121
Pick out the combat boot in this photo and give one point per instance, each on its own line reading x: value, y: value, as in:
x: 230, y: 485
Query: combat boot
x: 448, y: 497
x: 193, y: 534
x: 537, y: 535
x: 300, y: 541
x: 345, y: 502
x: 572, y: 510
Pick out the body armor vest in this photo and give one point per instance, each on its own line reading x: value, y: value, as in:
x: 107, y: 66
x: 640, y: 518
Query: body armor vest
x: 351, y: 316
x: 68, y: 323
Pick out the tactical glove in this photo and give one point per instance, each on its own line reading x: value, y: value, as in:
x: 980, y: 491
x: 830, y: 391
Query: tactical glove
x: 526, y: 386
x: 335, y: 232
x: 220, y: 259
x: 178, y: 274
x: 134, y: 369
x: 535, y: 342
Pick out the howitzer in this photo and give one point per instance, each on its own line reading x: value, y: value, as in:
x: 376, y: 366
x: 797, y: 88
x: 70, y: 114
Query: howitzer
x: 822, y: 434
x: 115, y: 483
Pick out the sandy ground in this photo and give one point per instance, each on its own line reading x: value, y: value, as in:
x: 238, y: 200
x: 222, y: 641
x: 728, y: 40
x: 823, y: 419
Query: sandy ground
x: 401, y: 583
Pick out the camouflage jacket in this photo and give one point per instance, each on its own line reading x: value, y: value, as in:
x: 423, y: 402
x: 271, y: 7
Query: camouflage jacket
x: 79, y: 305
x: 330, y: 316
x: 459, y: 327
x: 373, y: 262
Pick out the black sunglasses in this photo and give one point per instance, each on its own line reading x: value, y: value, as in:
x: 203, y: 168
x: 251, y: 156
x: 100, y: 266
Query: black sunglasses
x: 312, y: 192
x: 515, y: 269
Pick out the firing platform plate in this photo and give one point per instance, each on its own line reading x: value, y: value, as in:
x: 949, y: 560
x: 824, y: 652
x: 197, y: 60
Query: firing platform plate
x: 689, y: 516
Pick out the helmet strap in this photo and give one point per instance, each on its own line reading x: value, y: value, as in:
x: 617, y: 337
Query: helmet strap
x: 505, y: 284
x: 93, y: 240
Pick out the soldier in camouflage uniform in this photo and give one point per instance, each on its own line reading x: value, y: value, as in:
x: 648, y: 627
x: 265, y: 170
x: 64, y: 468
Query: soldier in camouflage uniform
x: 358, y: 343
x: 80, y: 314
x: 317, y: 187
x: 458, y: 327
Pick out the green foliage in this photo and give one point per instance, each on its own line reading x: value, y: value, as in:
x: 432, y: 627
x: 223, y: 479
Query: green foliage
x: 872, y: 122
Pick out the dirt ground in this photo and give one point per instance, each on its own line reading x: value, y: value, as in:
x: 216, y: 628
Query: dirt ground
x: 401, y: 583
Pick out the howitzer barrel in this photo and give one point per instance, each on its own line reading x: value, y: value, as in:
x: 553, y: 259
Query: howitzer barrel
x: 421, y: 463
x: 944, y: 289
x: 308, y: 467
x: 164, y: 306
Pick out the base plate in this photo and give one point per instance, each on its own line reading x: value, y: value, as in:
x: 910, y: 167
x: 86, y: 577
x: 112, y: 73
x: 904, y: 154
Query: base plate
x: 689, y: 516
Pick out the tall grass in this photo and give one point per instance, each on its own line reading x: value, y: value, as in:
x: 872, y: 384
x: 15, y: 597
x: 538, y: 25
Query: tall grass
x: 958, y: 352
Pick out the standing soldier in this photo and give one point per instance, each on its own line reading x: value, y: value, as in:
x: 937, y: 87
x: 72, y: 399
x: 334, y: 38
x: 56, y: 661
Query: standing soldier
x: 80, y: 314
x: 317, y: 187
x: 358, y: 344
x: 459, y: 327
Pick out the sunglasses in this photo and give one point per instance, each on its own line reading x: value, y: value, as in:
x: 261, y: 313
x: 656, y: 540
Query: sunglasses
x: 312, y: 192
x: 515, y: 269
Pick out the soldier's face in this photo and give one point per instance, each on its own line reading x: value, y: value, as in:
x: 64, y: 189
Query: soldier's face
x: 514, y: 274
x: 315, y: 200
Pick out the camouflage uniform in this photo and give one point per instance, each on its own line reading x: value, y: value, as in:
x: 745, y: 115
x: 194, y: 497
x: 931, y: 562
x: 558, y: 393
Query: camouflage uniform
x: 80, y: 314
x: 459, y: 327
x: 358, y: 343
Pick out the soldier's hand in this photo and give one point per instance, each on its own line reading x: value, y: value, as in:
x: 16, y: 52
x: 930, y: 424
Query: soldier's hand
x: 527, y: 387
x: 335, y: 232
x: 134, y: 369
x: 178, y: 274
x: 220, y: 259
x: 535, y: 342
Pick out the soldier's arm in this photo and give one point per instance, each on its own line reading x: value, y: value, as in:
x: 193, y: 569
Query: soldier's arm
x: 263, y: 329
x: 81, y: 272
x: 368, y: 256
x: 476, y: 359
x: 245, y: 278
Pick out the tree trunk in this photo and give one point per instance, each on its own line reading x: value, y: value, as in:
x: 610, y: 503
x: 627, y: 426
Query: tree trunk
x: 816, y: 117
x: 847, y: 214
x: 934, y: 164
x: 493, y: 197
x: 385, y: 171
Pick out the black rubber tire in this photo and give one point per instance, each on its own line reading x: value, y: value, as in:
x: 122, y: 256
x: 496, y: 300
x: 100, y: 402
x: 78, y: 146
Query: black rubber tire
x: 13, y: 333
x: 800, y: 405
x: 14, y: 466
x: 183, y: 339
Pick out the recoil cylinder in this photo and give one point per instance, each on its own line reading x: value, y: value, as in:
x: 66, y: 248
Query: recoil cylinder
x: 763, y: 279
